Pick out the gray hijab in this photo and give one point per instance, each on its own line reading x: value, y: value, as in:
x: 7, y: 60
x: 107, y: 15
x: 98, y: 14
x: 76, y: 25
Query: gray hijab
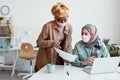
x: 95, y: 41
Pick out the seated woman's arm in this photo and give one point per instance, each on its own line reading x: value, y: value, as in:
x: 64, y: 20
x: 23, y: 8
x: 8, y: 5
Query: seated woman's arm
x: 77, y: 60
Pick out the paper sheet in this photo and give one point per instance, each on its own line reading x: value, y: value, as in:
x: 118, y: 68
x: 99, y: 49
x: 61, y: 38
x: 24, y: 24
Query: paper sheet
x: 67, y: 56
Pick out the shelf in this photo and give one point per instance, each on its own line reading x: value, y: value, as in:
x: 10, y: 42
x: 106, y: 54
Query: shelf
x: 11, y: 64
x: 6, y: 66
x: 10, y: 49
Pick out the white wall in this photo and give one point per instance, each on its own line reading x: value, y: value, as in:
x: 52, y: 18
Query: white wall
x: 30, y: 15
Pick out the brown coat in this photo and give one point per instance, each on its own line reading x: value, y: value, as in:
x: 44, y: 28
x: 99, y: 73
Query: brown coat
x: 46, y: 53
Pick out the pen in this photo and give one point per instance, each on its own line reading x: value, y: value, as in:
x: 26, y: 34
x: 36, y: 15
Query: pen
x: 67, y: 73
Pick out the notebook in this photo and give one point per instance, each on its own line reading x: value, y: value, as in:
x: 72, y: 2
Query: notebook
x: 103, y: 65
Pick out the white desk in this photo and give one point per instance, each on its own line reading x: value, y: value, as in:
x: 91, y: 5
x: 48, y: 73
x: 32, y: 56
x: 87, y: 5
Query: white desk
x: 15, y: 59
x: 75, y: 73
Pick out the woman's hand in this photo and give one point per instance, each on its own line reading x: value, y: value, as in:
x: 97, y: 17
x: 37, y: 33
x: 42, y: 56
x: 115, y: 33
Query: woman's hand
x: 88, y: 62
x: 56, y: 44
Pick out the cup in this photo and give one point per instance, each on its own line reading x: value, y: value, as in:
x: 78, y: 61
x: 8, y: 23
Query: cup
x: 67, y: 66
x: 51, y: 68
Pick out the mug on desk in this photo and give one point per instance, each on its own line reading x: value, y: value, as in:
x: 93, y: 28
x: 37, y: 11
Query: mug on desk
x: 51, y: 68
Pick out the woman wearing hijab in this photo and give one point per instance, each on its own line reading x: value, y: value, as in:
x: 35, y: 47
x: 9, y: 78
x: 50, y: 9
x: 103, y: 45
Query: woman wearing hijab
x: 89, y: 47
x: 55, y: 33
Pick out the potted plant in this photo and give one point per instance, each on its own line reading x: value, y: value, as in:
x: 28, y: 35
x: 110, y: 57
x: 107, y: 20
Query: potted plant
x: 112, y: 48
x: 1, y: 20
x: 6, y: 33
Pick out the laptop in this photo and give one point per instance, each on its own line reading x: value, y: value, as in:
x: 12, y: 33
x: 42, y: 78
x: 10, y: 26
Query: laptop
x: 103, y: 65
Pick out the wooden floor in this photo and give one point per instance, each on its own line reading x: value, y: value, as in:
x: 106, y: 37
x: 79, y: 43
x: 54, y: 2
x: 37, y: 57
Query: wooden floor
x: 6, y: 75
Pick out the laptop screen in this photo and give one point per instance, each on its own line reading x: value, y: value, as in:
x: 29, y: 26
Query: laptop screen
x: 104, y: 65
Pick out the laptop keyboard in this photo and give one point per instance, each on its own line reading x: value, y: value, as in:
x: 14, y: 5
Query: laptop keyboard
x: 87, y: 69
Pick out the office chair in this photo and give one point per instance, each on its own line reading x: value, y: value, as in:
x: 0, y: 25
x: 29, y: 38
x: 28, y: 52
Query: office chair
x: 27, y: 53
